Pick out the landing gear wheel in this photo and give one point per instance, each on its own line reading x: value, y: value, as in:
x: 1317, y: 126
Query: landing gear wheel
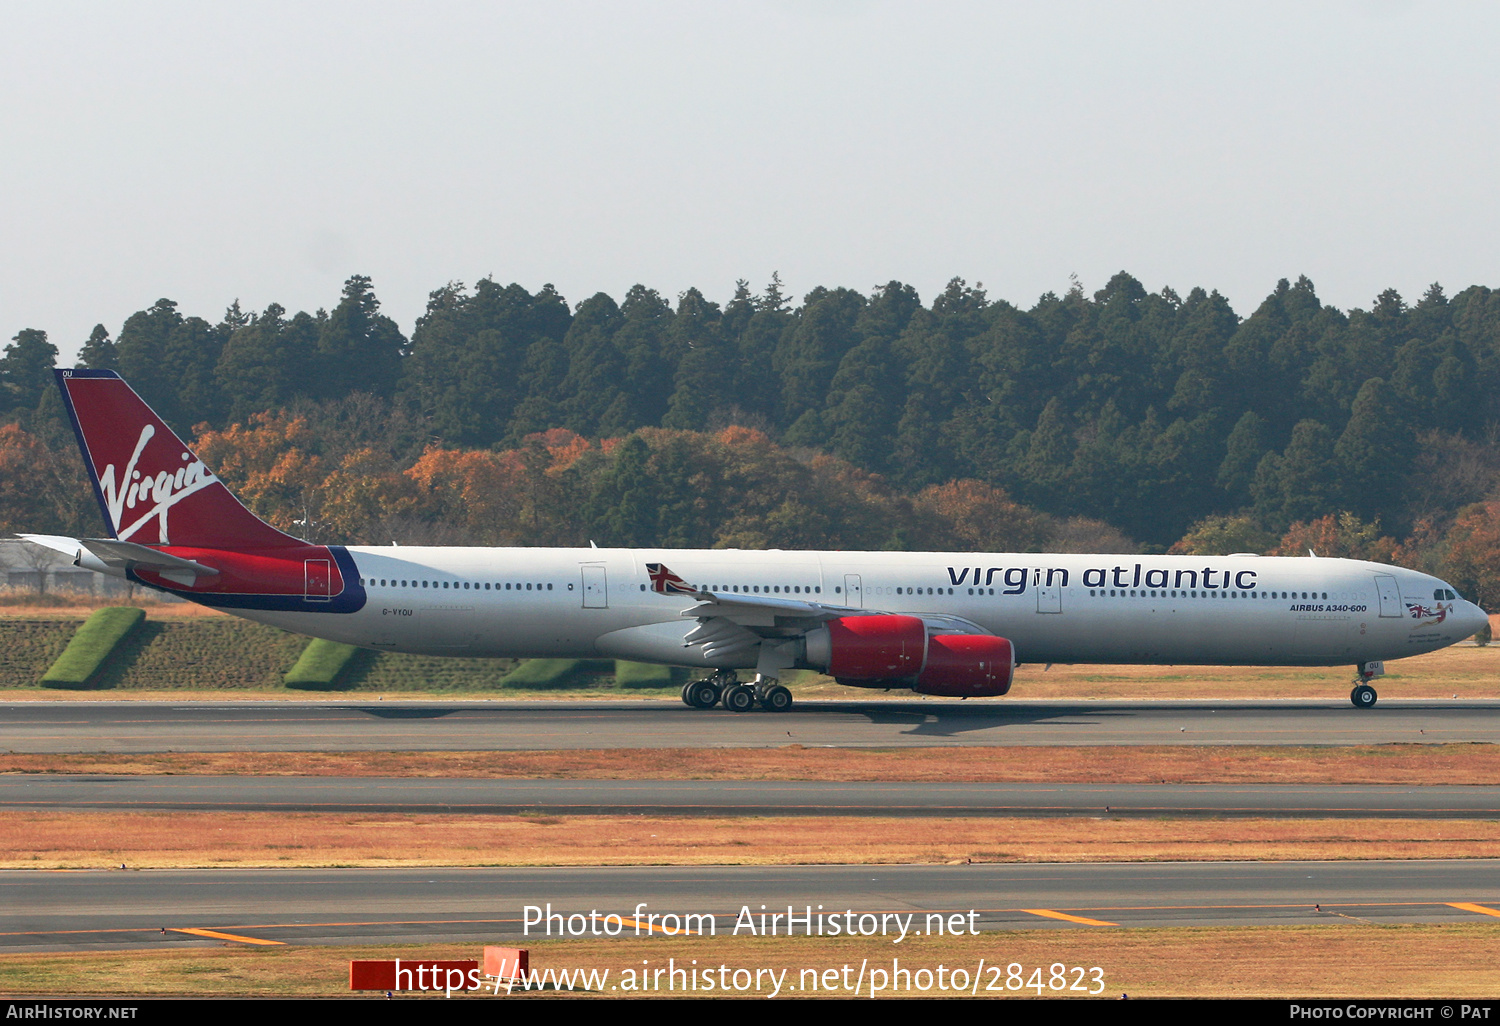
x: 776, y: 699
x: 1363, y: 696
x: 687, y: 693
x: 738, y: 698
x: 701, y: 694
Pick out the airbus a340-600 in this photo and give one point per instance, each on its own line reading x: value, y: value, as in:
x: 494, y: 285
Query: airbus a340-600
x: 953, y: 624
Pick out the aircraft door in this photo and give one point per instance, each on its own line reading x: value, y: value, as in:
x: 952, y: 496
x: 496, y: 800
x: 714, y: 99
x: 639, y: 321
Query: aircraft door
x: 1390, y: 595
x: 317, y: 580
x: 595, y: 587
x: 853, y: 593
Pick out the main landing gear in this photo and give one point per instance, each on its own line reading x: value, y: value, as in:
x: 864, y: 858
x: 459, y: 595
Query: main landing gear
x: 723, y: 688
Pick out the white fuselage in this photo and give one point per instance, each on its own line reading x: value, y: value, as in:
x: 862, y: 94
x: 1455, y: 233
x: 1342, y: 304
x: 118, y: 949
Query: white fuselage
x: 580, y: 603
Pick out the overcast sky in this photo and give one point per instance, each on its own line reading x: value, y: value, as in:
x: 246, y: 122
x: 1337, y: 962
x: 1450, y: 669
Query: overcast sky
x: 265, y: 151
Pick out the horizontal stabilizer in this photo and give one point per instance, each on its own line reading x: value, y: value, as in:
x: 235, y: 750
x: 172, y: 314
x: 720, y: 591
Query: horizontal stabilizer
x: 69, y: 547
x: 129, y: 555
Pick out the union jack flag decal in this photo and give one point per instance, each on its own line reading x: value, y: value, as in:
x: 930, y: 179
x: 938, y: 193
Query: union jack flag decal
x: 1421, y: 612
x: 665, y: 582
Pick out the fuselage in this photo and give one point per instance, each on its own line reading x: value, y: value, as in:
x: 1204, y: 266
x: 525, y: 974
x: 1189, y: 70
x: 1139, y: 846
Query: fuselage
x: 577, y: 603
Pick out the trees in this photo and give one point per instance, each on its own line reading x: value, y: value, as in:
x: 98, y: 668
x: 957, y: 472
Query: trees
x: 26, y: 372
x: 359, y: 349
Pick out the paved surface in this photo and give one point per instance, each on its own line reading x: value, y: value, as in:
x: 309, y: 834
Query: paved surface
x: 456, y: 726
x: 97, y: 910
x: 716, y: 797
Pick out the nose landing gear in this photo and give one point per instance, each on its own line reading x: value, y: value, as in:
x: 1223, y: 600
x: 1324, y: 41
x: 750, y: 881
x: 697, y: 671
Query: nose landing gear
x: 1363, y: 696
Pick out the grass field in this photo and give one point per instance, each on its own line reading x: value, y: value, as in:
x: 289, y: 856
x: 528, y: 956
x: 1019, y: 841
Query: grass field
x: 1176, y: 764
x: 1344, y: 959
x: 241, y: 840
x: 184, y: 651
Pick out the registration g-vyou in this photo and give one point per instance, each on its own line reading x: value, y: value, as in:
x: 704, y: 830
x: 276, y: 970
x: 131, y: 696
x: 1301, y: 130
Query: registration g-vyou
x: 938, y: 623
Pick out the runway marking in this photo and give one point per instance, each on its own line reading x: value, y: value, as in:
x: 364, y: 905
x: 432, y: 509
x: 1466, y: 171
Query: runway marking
x: 1048, y: 913
x: 648, y: 927
x: 216, y: 935
x: 1470, y: 907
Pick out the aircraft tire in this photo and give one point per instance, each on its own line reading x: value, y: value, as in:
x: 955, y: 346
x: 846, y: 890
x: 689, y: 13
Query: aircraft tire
x: 776, y: 699
x: 687, y: 690
x: 701, y: 694
x: 1363, y: 696
x: 738, y: 698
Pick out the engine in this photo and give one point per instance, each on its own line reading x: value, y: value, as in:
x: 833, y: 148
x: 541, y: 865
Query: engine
x: 893, y: 650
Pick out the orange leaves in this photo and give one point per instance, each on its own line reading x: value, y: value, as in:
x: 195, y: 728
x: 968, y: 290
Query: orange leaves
x: 981, y: 517
x: 1341, y: 535
x: 41, y: 490
x: 269, y: 464
x: 1473, y: 556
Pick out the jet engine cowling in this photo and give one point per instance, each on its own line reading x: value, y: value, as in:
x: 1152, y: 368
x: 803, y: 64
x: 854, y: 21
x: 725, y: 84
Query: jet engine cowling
x: 885, y: 647
x: 891, y: 649
x: 967, y: 666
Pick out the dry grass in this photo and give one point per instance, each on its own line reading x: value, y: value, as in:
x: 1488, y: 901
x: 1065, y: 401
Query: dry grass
x: 1224, y: 764
x: 67, y: 605
x: 178, y: 840
x: 1345, y: 960
x: 1466, y: 671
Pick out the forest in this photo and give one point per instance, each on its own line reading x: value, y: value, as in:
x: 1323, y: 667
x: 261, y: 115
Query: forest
x: 1124, y: 420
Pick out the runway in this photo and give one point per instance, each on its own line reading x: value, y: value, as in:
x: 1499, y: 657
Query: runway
x: 100, y: 910
x: 738, y: 798
x: 138, y: 727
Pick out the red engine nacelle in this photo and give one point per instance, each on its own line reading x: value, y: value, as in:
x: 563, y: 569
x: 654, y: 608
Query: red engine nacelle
x: 967, y: 665
x: 896, y: 649
x: 870, y: 647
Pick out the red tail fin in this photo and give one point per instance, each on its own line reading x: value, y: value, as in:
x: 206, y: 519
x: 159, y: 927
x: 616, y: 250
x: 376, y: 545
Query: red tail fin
x: 150, y: 486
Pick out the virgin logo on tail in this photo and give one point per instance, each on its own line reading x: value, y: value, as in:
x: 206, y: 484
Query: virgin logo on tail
x: 163, y: 490
x: 142, y: 472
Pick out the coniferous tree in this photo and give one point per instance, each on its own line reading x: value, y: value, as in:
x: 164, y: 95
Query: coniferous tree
x: 99, y: 352
x: 359, y: 348
x: 26, y: 372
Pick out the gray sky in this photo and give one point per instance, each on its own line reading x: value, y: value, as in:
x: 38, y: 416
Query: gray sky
x: 266, y: 151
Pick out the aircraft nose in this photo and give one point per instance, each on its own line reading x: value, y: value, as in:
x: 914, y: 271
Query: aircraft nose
x: 1475, y: 619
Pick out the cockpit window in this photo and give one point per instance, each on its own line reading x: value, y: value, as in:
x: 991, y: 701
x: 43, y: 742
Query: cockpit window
x: 1445, y: 595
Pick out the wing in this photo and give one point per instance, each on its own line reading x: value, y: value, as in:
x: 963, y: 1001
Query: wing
x: 733, y: 625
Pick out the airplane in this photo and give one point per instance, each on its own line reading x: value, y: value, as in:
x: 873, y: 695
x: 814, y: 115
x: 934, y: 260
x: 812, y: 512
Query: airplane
x: 944, y: 624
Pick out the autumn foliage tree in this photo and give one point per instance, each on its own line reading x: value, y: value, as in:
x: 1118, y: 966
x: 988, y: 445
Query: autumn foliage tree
x: 1473, y: 553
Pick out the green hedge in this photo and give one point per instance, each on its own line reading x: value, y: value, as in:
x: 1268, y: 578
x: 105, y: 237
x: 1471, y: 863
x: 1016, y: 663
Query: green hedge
x: 92, y: 645
x: 320, y: 664
x: 642, y: 675
x: 555, y: 673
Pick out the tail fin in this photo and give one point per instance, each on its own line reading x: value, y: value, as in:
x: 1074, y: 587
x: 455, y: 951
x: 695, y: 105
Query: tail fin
x: 150, y: 486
